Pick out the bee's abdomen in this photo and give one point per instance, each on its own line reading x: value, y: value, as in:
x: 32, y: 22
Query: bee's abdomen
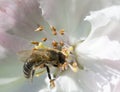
x: 27, y: 69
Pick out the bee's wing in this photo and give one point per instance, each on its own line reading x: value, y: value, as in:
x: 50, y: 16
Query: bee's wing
x: 24, y: 55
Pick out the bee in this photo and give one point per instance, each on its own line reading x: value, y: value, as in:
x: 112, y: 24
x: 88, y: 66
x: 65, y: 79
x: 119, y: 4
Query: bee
x: 39, y: 59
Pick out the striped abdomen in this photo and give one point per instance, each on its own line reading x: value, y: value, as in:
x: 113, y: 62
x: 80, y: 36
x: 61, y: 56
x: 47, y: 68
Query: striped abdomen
x: 28, y: 69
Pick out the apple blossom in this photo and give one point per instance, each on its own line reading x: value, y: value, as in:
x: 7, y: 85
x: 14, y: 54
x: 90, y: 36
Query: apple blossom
x: 95, y: 39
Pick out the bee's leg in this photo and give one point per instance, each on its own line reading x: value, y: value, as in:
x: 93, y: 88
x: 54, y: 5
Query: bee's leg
x: 32, y: 74
x: 52, y: 84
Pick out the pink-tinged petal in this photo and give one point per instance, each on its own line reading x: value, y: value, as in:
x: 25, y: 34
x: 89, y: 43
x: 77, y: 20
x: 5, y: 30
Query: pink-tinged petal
x: 6, y: 15
x: 13, y: 43
x: 20, y: 17
x: 70, y: 14
x: 2, y: 52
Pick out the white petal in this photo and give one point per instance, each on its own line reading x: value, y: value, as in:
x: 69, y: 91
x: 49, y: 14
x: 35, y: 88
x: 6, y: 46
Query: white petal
x: 103, y: 41
x: 100, y: 48
x: 4, y: 81
x: 117, y: 88
x: 69, y: 14
x: 109, y: 25
x: 22, y: 85
x: 82, y: 81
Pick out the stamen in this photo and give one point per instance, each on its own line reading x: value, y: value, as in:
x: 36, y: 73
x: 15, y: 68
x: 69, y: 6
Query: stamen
x: 65, y: 52
x: 44, y: 39
x: 54, y: 44
x: 35, y: 42
x: 74, y: 66
x: 62, y: 31
x: 61, y: 43
x: 64, y: 66
x: 40, y: 28
x: 53, y: 29
x: 40, y: 46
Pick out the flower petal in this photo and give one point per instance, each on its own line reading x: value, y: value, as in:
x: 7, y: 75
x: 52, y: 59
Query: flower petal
x: 109, y: 25
x: 100, y: 48
x: 12, y: 78
x: 22, y: 85
x: 69, y: 14
x: 103, y: 41
x: 7, y: 80
x: 13, y: 43
x: 20, y: 17
x: 117, y: 88
x: 82, y: 81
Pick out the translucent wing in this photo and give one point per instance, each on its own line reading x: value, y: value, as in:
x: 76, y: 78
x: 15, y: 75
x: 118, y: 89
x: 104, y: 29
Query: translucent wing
x: 24, y: 55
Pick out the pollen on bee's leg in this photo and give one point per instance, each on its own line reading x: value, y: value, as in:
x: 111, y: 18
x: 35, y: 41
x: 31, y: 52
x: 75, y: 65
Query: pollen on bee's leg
x: 44, y: 39
x: 40, y: 28
x: 52, y: 84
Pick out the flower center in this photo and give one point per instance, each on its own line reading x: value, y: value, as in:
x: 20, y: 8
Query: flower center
x: 60, y: 43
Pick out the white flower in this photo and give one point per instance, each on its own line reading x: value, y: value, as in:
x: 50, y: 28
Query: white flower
x: 99, y: 54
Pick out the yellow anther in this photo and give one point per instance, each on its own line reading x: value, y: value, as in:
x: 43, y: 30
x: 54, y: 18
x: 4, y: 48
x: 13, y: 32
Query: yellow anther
x: 44, y: 39
x: 40, y: 28
x: 54, y: 32
x: 40, y: 46
x: 70, y: 49
x: 35, y: 42
x: 53, y: 29
x: 74, y: 66
x: 61, y: 43
x: 65, y: 52
x: 54, y: 43
x: 62, y: 31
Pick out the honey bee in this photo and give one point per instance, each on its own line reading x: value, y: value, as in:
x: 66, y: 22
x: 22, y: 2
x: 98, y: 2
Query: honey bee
x: 41, y: 58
